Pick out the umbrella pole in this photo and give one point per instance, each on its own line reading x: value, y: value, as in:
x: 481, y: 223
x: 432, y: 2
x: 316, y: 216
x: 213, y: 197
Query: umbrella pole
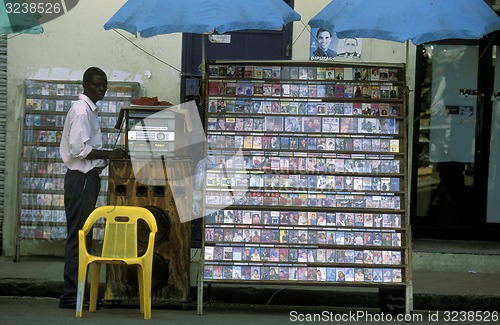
x: 202, y: 56
x: 409, y: 140
x: 409, y: 135
x: 407, y: 54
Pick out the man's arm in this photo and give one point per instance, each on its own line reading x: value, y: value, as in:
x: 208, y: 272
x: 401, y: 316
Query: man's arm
x: 107, y: 154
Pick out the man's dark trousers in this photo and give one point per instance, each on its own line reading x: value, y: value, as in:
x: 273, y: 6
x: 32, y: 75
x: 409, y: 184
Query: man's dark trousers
x: 80, y: 198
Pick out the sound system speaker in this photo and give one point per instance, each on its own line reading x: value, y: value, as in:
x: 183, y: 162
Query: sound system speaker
x: 149, y: 188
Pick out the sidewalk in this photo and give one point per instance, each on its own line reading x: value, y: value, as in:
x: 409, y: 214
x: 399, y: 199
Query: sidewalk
x: 42, y: 277
x: 41, y: 311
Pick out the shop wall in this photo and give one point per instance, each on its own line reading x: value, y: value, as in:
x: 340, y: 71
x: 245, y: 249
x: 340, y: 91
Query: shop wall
x: 77, y: 40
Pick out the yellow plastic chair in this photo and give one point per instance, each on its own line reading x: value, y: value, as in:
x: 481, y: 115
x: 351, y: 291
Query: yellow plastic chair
x: 119, y: 247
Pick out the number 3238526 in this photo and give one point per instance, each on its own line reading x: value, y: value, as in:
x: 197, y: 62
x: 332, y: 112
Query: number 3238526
x: 471, y: 316
x: 33, y: 8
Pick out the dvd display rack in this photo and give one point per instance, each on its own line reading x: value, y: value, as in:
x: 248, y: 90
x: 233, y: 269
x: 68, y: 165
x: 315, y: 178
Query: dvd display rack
x: 41, y: 211
x: 306, y: 180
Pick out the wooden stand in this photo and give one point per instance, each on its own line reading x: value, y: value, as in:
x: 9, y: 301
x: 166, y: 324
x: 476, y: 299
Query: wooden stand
x: 320, y: 195
x: 171, y: 265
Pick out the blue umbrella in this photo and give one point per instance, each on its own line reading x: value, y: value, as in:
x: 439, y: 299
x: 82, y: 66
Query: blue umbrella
x: 154, y: 17
x: 420, y: 21
x: 15, y: 19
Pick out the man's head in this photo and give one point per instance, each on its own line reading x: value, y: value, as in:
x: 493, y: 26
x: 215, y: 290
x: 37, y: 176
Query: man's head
x: 351, y: 45
x: 95, y: 84
x: 324, y: 38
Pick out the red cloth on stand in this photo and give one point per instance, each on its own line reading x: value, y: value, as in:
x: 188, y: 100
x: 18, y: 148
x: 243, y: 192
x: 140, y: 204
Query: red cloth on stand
x: 149, y: 101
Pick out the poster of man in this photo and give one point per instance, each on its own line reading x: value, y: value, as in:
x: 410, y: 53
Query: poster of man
x: 349, y: 48
x: 325, y: 46
x: 323, y: 43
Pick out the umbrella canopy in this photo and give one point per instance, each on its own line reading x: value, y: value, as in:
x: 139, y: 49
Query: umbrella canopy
x: 17, y: 21
x: 155, y: 17
x: 420, y: 21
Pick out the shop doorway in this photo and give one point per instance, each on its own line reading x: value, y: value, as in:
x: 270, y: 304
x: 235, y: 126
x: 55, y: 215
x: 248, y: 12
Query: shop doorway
x: 243, y: 45
x: 455, y: 192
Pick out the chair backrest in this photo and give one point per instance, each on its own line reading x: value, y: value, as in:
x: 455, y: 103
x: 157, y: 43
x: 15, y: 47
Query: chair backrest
x: 120, y: 233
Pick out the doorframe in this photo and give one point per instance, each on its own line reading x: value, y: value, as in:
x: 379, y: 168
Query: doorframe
x: 478, y: 229
x: 190, y: 38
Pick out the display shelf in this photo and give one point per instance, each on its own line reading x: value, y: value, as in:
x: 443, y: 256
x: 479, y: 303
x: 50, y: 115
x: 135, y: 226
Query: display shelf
x: 306, y: 175
x: 41, y: 207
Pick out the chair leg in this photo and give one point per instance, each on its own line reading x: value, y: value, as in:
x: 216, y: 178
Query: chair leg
x: 147, y: 292
x: 144, y: 279
x: 94, y: 285
x: 82, y: 277
x: 140, y: 281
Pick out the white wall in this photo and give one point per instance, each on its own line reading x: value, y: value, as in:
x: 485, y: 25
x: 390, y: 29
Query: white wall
x: 77, y: 40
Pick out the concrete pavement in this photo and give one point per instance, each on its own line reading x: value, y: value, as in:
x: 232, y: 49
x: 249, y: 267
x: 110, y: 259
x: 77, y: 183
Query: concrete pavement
x: 29, y: 310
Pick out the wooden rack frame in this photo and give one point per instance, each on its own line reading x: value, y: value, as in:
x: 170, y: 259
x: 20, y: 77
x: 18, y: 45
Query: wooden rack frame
x: 310, y: 159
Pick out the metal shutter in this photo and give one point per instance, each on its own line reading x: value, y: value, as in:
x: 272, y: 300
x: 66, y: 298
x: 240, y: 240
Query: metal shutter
x: 3, y: 116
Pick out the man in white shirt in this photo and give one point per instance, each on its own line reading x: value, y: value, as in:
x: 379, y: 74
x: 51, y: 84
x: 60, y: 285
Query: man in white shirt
x: 82, y: 152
